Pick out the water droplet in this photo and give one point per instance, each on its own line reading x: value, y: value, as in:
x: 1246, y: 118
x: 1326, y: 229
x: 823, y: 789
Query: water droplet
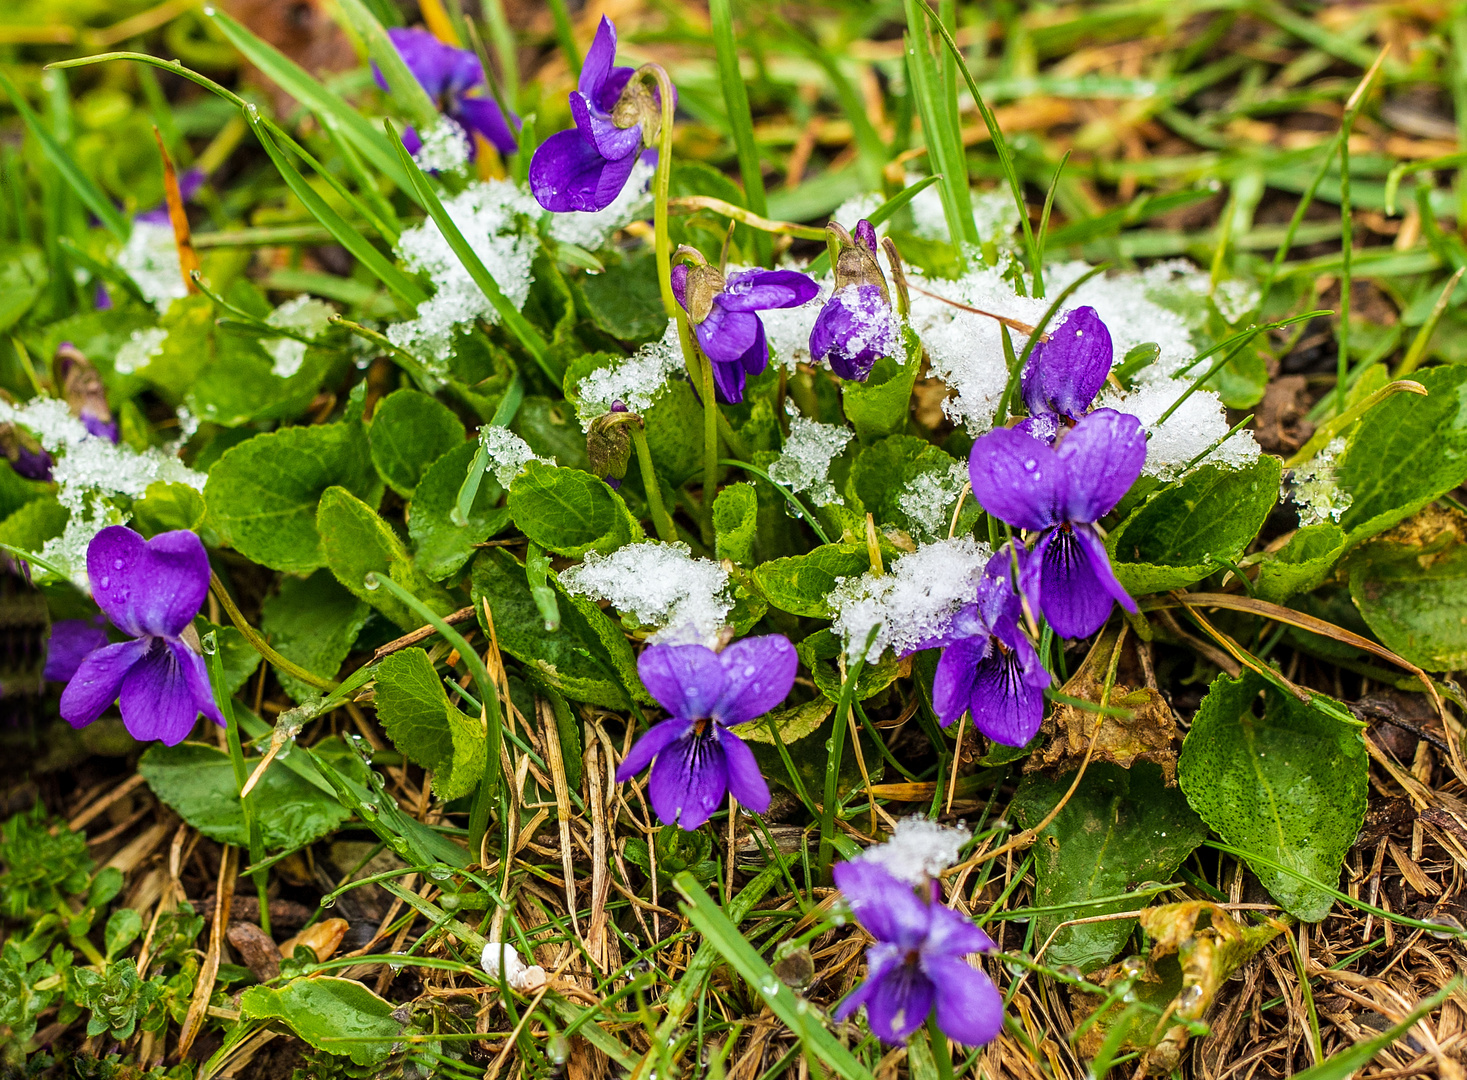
x: 1015, y: 965
x: 440, y: 874
x: 1070, y: 971
x: 769, y: 987
x: 1453, y: 927
x: 117, y: 564
x: 1132, y: 966
x: 328, y: 901
x: 106, y: 582
x: 372, y: 583
x: 1189, y: 1002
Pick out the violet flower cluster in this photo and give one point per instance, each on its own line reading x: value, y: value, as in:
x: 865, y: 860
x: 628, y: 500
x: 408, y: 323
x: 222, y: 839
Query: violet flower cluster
x: 150, y: 590
x: 917, y: 967
x: 448, y: 75
x: 694, y: 757
x: 617, y: 117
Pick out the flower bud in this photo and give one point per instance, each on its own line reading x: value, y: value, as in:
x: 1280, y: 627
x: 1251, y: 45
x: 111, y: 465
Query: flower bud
x: 609, y: 443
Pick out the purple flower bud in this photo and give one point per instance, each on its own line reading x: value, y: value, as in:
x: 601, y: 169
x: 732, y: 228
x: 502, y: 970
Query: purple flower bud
x: 1065, y: 373
x: 854, y: 329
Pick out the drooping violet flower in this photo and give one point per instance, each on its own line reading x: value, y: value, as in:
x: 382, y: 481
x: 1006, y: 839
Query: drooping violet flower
x: 1063, y: 490
x: 26, y: 456
x: 448, y: 74
x: 1065, y: 373
x: 723, y: 313
x: 857, y: 326
x: 72, y: 641
x: 150, y: 589
x: 85, y: 392
x: 989, y: 668
x: 617, y: 117
x: 917, y: 964
x: 694, y: 757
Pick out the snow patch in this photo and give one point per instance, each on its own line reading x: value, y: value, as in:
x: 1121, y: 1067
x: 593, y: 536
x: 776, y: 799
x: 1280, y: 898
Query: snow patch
x: 659, y: 585
x: 804, y: 464
x: 636, y: 382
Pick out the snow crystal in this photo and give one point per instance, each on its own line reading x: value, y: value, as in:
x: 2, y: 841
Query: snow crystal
x: 590, y: 229
x: 1235, y: 299
x: 636, y: 382
x: 150, y: 258
x: 913, y: 601
x: 1315, y: 490
x: 88, y: 470
x: 918, y: 850
x: 928, y: 499
x: 788, y: 329
x: 929, y: 219
x: 508, y: 453
x: 856, y: 208
x: 488, y: 215
x: 445, y: 147
x: 501, y: 956
x: 883, y: 331
x: 1199, y: 423
x: 996, y: 215
x: 139, y: 349
x: 306, y: 316
x: 966, y: 350
x: 659, y: 585
x: 805, y: 461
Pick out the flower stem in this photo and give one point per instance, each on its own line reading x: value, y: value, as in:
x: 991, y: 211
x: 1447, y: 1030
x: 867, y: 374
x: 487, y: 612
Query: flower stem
x: 259, y: 644
x: 837, y: 744
x: 942, y: 1053
x: 241, y: 778
x: 710, y: 450
x: 661, y: 519
x: 662, y: 186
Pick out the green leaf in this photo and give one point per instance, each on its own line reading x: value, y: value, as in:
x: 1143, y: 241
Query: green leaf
x: 736, y: 522
x: 312, y: 622
x: 675, y: 434
x: 1289, y: 785
x: 595, y: 625
x: 1301, y: 565
x: 1405, y: 452
x: 570, y: 512
x: 1120, y: 828
x: 551, y: 429
x: 878, y: 407
x: 123, y: 927
x: 165, y: 507
x: 626, y: 301
x: 793, y: 724
x: 887, y: 471
x: 34, y: 523
x: 819, y: 650
x: 237, y: 656
x: 338, y: 1016
x: 356, y: 542
x: 801, y: 584
x: 411, y: 430
x: 1170, y: 541
x: 417, y: 716
x: 441, y: 547
x: 239, y: 385
x: 23, y: 274
x: 262, y: 494
x: 1414, y: 597
x: 198, y: 783
x: 571, y: 659
x: 187, y: 351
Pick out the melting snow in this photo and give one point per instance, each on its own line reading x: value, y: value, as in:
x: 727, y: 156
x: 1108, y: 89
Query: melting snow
x: 150, y: 258
x: 913, y: 601
x: 445, y: 147
x: 306, y: 316
x: 590, y: 229
x: 636, y: 382
x: 804, y: 464
x: 659, y: 585
x: 1315, y: 490
x: 918, y: 850
x: 508, y: 453
x: 1199, y: 423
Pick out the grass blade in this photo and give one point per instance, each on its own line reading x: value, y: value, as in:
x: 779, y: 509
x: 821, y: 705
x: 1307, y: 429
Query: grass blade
x: 944, y: 146
x: 407, y: 93
x: 803, y: 1020
x: 1348, y: 1062
x: 740, y: 120
x: 85, y: 187
x: 513, y: 321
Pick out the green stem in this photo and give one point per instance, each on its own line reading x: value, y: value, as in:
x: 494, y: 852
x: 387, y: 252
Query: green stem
x: 661, y: 519
x: 662, y: 186
x: 241, y: 776
x: 837, y: 745
x: 804, y: 515
x: 710, y: 450
x: 259, y: 644
x: 942, y: 1053
x: 488, y: 695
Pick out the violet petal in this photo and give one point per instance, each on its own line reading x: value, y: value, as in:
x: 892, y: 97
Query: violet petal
x: 969, y: 1006
x: 71, y: 641
x: 596, y: 68
x: 98, y: 681
x: 686, y: 680
x: 757, y: 290
x: 900, y: 1004
x: 758, y: 673
x: 1071, y: 593
x: 597, y: 128
x: 1066, y: 372
x: 482, y: 116
x: 157, y: 699
x: 652, y: 743
x: 745, y: 780
x: 1004, y: 705
x: 567, y: 173
x: 1103, y: 456
x: 880, y: 959
x: 148, y: 586
x: 1018, y: 479
x: 688, y: 780
x: 952, y: 686
x: 889, y: 909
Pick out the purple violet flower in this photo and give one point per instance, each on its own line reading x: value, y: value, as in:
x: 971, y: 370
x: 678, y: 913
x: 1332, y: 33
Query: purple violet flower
x: 585, y: 167
x: 723, y: 313
x: 856, y: 327
x: 694, y: 757
x: 189, y: 182
x: 917, y: 964
x: 1065, y: 373
x: 448, y: 74
x: 84, y: 391
x: 1063, y: 490
x: 151, y: 590
x: 989, y: 668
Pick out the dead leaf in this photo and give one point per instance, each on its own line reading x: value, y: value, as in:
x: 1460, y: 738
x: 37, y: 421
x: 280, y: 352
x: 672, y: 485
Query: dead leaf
x: 257, y: 949
x: 1149, y: 734
x: 1281, y: 427
x: 324, y: 938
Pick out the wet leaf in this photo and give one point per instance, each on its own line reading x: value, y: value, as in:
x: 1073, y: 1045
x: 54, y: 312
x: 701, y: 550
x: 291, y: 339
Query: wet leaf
x: 410, y: 431
x: 570, y: 512
x: 736, y: 522
x: 801, y: 584
x: 441, y: 546
x: 1411, y: 586
x: 1300, y: 565
x: 414, y: 709
x: 1289, y: 784
x: 339, y: 1016
x: 313, y: 622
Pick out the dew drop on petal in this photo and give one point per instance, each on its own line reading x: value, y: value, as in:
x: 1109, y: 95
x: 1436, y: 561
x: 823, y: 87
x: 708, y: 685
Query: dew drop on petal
x: 105, y: 582
x: 117, y: 564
